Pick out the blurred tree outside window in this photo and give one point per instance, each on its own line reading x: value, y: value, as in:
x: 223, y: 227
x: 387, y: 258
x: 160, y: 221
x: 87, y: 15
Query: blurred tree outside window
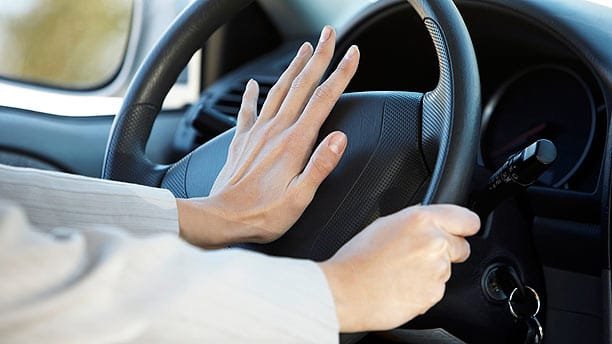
x: 74, y: 44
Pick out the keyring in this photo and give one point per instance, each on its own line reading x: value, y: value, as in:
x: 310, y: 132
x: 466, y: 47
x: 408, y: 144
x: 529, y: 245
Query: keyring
x: 536, y: 296
x: 538, y: 328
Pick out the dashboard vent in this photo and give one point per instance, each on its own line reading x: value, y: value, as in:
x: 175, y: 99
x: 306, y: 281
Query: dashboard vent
x: 219, y: 108
x: 228, y: 103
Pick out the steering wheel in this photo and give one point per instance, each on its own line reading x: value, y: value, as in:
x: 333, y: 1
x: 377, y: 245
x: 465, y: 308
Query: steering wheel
x: 404, y: 148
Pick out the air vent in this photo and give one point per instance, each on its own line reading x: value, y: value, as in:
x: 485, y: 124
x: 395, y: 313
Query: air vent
x: 219, y: 109
x: 229, y: 102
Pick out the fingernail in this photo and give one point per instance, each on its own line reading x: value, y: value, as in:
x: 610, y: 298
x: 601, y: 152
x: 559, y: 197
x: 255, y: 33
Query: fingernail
x: 337, y: 143
x: 325, y: 33
x: 303, y: 49
x: 351, y: 52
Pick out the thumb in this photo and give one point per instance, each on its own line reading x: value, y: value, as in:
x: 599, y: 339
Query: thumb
x: 322, y: 162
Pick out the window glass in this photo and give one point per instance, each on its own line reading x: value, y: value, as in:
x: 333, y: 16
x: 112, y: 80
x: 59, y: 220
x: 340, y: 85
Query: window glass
x: 74, y: 44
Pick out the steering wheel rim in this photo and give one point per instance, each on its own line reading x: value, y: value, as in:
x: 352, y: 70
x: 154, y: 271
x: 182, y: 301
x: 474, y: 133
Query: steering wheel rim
x: 449, y: 115
x: 458, y: 91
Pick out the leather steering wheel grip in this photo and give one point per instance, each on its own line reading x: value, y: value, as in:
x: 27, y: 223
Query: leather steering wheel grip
x: 125, y: 158
x: 453, y: 107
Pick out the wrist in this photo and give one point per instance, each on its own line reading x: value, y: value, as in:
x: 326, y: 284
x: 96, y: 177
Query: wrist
x: 201, y: 224
x: 347, y: 320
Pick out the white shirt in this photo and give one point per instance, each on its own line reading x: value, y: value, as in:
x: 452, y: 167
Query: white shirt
x: 84, y: 260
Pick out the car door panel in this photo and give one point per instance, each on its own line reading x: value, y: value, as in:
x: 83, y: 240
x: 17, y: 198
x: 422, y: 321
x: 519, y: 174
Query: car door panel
x: 71, y: 144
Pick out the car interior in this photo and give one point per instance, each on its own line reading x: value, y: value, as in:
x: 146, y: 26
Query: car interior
x: 510, y: 117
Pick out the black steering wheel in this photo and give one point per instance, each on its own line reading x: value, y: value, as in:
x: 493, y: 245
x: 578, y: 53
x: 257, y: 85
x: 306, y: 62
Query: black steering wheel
x: 404, y: 148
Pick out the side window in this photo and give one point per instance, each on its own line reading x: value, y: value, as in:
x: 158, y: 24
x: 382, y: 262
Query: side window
x: 77, y: 45
x: 77, y: 57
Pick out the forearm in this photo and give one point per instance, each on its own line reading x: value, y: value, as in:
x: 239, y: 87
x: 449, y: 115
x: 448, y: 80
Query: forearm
x: 111, y: 287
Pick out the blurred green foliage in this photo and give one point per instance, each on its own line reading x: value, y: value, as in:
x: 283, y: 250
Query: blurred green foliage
x: 75, y: 44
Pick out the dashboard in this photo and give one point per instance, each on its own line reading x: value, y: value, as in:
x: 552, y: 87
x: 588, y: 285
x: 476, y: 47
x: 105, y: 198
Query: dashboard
x: 536, y: 84
x: 533, y: 86
x: 542, y: 102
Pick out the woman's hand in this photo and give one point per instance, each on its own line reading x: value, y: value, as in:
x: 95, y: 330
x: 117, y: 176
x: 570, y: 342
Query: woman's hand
x: 271, y: 173
x: 397, y: 267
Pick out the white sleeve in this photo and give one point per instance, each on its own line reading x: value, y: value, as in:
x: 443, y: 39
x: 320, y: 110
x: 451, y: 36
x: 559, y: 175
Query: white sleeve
x: 105, y: 286
x: 53, y: 199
